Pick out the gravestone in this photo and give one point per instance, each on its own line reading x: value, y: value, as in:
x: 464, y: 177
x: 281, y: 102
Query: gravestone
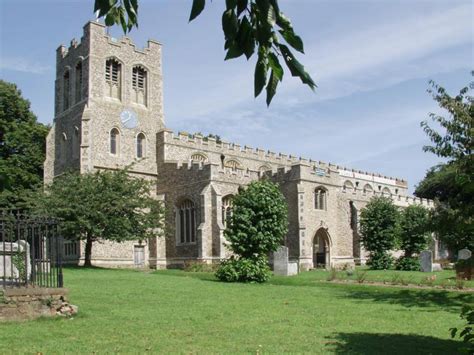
x: 426, y: 261
x: 464, y: 254
x: 281, y: 265
x: 13, y: 261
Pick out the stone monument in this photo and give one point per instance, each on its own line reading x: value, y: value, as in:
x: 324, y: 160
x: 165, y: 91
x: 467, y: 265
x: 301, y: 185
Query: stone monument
x: 281, y: 265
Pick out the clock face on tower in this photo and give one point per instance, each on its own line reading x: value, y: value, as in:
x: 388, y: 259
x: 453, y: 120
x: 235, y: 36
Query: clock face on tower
x: 129, y: 119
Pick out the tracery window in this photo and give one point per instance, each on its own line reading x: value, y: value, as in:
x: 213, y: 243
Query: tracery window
x: 78, y: 91
x: 139, y: 85
x: 113, y: 73
x: 348, y: 186
x: 141, y: 142
x: 199, y: 157
x: 186, y: 222
x: 368, y: 189
x: 66, y: 88
x: 232, y: 164
x: 226, y: 209
x: 114, y: 141
x: 320, y: 198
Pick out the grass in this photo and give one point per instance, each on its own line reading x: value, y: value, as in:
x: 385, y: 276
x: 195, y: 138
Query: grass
x: 125, y: 311
x: 445, y: 278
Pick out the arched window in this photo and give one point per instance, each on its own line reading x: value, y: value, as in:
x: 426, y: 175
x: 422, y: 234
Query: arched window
x: 66, y: 88
x: 186, y: 222
x: 386, y: 191
x: 320, y: 196
x: 232, y: 164
x: 368, y: 189
x: 114, y: 141
x: 226, y: 209
x: 199, y: 157
x: 78, y: 91
x: 141, y: 145
x: 113, y: 74
x: 263, y: 168
x: 139, y: 85
x: 348, y: 186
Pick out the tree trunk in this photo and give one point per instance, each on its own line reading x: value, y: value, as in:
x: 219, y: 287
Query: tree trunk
x: 87, y: 259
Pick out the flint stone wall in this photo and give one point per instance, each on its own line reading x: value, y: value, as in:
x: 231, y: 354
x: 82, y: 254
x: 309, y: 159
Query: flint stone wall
x: 29, y: 303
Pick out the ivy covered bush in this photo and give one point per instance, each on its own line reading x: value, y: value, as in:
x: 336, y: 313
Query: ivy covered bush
x: 380, y: 229
x: 257, y: 226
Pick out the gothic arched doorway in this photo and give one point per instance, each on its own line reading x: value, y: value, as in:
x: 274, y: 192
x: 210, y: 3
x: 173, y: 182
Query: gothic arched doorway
x: 321, y: 246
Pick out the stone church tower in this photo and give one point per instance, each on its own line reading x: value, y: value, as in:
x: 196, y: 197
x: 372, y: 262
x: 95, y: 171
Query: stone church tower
x: 108, y: 105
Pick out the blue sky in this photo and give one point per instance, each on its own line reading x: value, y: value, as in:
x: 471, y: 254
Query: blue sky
x: 371, y: 60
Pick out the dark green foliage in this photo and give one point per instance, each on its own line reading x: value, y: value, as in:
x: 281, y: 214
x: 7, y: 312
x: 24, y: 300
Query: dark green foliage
x: 257, y: 226
x: 259, y: 221
x: 380, y: 261
x: 107, y: 205
x: 408, y: 263
x: 379, y: 227
x: 249, y: 26
x: 22, y: 146
x: 451, y: 185
x: 467, y: 333
x: 239, y: 269
x: 414, y: 234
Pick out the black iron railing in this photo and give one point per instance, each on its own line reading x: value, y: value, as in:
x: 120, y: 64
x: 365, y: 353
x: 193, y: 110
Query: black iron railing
x: 30, y: 251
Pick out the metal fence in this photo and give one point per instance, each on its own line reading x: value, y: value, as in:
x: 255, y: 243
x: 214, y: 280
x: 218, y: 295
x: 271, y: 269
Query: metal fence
x: 30, y: 251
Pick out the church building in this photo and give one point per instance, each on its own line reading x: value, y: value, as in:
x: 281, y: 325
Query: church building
x: 109, y: 114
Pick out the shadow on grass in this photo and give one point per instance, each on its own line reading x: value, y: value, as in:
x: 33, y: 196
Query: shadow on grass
x: 379, y: 343
x: 448, y: 301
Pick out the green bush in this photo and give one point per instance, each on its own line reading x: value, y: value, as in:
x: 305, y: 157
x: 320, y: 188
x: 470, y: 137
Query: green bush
x: 380, y: 229
x: 380, y: 261
x: 257, y: 226
x: 408, y: 263
x: 414, y: 229
x: 239, y: 269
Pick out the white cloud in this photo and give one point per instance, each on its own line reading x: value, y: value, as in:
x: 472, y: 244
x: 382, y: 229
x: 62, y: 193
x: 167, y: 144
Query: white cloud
x: 24, y: 65
x: 379, y: 56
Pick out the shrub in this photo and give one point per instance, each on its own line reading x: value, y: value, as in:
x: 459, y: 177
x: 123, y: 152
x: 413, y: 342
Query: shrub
x: 379, y: 226
x: 238, y: 269
x: 414, y: 231
x: 467, y: 334
x: 408, y: 263
x: 380, y: 261
x: 257, y: 226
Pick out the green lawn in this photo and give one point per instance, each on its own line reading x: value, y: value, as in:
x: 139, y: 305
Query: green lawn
x: 445, y: 278
x: 176, y: 312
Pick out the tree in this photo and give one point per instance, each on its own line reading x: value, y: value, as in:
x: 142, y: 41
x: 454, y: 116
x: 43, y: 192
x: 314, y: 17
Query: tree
x: 22, y: 146
x: 379, y: 227
x: 257, y: 226
x: 451, y: 185
x: 105, y: 205
x: 414, y: 234
x: 249, y: 26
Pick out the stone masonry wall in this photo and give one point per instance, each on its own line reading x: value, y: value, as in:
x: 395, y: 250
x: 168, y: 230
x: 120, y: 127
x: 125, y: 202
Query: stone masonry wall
x: 29, y: 303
